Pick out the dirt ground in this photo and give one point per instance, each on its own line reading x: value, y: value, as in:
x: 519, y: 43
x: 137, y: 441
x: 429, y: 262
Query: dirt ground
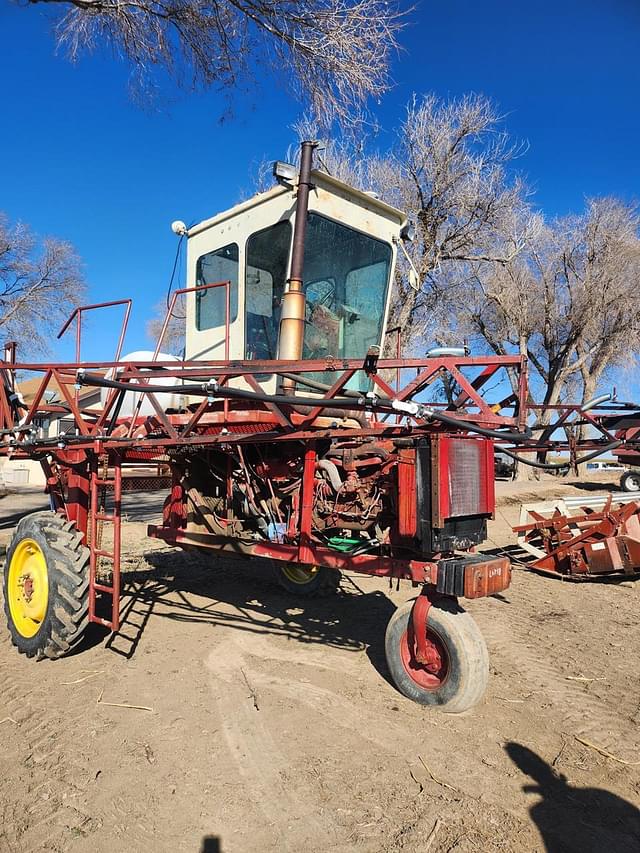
x: 267, y: 723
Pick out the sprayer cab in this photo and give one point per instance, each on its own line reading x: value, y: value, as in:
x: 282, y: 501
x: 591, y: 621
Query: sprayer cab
x: 309, y: 265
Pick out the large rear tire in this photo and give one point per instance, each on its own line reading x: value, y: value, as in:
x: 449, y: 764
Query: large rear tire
x: 461, y: 680
x: 307, y: 581
x: 46, y: 586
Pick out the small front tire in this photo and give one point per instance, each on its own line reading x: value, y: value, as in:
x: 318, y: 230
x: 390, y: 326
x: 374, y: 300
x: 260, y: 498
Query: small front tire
x: 460, y: 681
x: 46, y: 586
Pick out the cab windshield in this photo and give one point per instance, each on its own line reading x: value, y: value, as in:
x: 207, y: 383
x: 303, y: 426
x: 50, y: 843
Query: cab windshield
x: 346, y: 275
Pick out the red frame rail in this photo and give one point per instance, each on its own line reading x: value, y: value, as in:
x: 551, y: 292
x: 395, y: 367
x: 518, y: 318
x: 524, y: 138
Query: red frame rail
x: 213, y: 420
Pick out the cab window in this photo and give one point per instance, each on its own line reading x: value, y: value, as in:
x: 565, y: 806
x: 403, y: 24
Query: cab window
x: 217, y: 266
x: 266, y: 273
x: 346, y: 276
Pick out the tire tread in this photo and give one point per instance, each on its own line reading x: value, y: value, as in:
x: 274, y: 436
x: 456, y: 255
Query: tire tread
x: 461, y: 631
x: 68, y: 570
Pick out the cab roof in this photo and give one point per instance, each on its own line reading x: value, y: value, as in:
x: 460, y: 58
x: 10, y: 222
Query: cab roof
x: 322, y: 180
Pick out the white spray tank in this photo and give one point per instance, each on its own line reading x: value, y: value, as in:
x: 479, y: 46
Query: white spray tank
x: 166, y: 400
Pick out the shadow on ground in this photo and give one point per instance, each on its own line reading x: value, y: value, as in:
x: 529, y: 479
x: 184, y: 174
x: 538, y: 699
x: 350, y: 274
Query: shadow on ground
x: 244, y: 594
x: 16, y: 504
x: 594, y: 486
x: 177, y: 583
x: 570, y: 818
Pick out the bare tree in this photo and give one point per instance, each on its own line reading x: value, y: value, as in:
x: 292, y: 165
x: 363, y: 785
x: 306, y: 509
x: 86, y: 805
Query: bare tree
x: 601, y: 264
x: 570, y: 302
x: 40, y: 283
x: 448, y: 171
x: 344, y: 155
x: 498, y: 305
x: 334, y: 54
x: 173, y: 340
x: 583, y: 282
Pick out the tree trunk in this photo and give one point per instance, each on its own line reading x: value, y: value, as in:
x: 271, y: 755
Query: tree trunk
x: 522, y: 472
x: 590, y: 385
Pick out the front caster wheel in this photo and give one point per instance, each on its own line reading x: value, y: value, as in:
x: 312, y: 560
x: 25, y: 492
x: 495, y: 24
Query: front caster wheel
x: 46, y: 586
x: 457, y: 679
x: 307, y: 581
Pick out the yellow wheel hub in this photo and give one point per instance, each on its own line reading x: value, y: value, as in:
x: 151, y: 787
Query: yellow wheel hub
x: 28, y: 587
x: 300, y: 574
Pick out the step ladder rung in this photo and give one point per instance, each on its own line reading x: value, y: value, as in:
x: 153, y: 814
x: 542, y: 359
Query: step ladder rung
x: 105, y: 513
x: 106, y: 622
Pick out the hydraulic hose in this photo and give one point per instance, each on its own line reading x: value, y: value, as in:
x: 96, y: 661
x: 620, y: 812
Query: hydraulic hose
x: 212, y: 389
x: 515, y: 437
x: 363, y: 402
x: 319, y: 386
x: 553, y: 466
x: 18, y: 428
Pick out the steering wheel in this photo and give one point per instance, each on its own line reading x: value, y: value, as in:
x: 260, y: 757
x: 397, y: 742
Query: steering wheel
x: 320, y: 292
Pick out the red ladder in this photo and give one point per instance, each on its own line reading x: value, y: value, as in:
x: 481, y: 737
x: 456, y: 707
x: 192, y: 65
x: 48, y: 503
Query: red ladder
x: 100, y: 517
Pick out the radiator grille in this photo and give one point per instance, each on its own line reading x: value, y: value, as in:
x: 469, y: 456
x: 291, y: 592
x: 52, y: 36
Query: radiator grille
x: 467, y: 477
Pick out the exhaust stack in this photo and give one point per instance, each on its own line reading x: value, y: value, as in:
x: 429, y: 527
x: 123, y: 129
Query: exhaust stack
x: 293, y: 301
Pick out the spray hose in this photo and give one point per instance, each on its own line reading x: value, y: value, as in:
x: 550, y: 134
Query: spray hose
x: 363, y: 402
x: 555, y: 466
x: 356, y: 401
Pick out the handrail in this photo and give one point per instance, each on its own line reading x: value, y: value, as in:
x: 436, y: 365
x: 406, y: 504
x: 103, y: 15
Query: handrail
x: 198, y: 289
x: 80, y: 309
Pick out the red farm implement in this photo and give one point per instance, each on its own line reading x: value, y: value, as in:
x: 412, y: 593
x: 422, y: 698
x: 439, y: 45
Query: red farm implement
x: 583, y: 538
x: 286, y: 436
x: 353, y: 483
x: 597, y: 536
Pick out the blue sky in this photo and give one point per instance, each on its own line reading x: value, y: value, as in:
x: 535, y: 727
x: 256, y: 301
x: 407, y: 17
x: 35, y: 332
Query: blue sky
x: 80, y: 160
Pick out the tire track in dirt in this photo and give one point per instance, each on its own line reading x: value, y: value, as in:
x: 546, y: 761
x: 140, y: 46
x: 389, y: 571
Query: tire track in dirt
x: 44, y: 795
x: 46, y: 788
x: 254, y: 740
x: 520, y: 649
x: 338, y: 709
x: 22, y: 703
x: 259, y: 762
